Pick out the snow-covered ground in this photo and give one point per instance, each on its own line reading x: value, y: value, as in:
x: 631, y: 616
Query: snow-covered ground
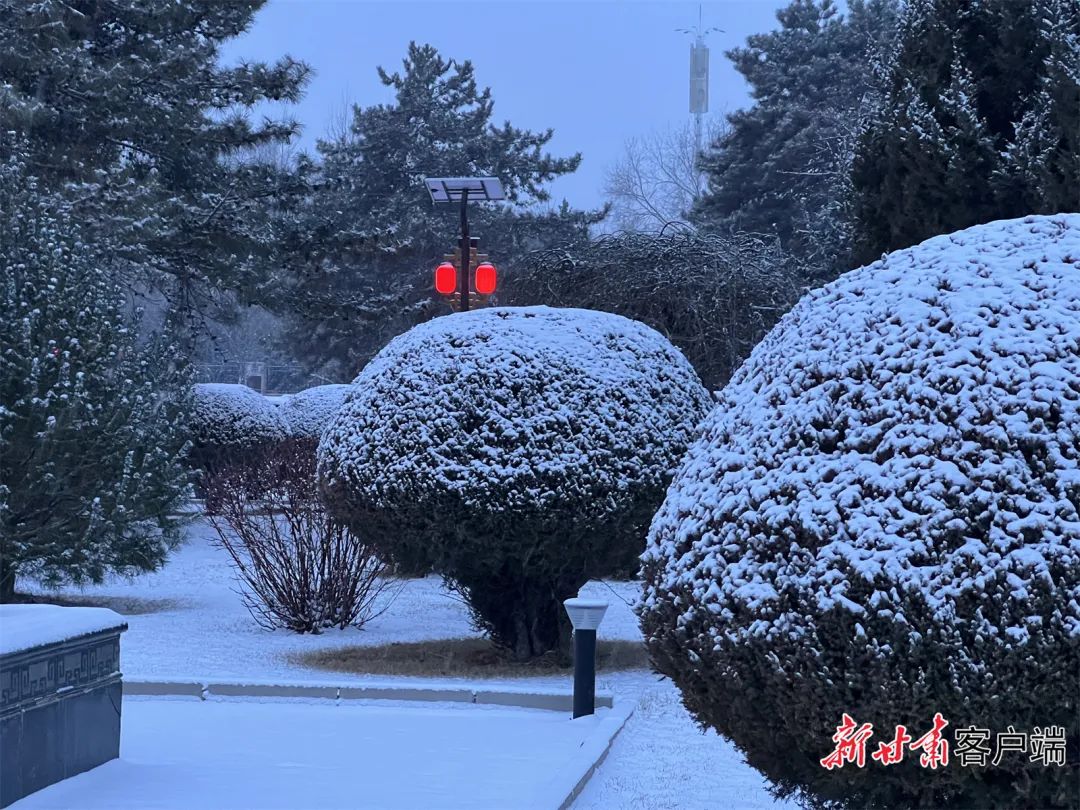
x: 183, y: 753
x: 197, y: 628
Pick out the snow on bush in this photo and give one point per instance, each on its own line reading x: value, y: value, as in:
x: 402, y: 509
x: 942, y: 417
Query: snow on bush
x: 517, y: 451
x: 883, y: 518
x: 308, y: 412
x: 233, y: 427
x: 235, y: 416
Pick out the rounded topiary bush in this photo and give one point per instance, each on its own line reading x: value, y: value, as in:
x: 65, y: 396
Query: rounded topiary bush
x: 308, y: 412
x: 231, y: 422
x: 881, y: 519
x: 517, y: 452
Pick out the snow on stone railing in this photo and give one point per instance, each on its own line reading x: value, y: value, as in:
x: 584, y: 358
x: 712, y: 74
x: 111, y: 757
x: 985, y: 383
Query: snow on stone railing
x: 23, y: 627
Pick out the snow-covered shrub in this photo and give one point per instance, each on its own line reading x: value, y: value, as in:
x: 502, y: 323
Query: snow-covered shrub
x: 232, y: 425
x: 517, y: 452
x: 234, y: 418
x: 882, y: 518
x: 308, y: 412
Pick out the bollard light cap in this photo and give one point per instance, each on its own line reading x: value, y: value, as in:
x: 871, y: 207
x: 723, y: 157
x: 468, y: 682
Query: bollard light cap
x: 586, y: 614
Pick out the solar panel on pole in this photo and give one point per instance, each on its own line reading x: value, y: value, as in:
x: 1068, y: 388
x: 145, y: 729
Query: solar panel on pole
x: 450, y: 189
x: 462, y: 190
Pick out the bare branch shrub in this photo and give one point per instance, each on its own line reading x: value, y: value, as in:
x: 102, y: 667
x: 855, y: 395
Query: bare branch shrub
x: 300, y: 567
x: 714, y: 297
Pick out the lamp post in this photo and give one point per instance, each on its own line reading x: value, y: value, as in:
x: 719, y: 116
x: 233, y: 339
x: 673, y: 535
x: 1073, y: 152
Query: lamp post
x: 585, y: 616
x: 464, y: 189
x: 466, y: 251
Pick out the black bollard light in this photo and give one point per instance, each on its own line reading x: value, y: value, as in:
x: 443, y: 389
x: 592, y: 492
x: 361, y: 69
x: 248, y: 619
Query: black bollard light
x: 585, y: 616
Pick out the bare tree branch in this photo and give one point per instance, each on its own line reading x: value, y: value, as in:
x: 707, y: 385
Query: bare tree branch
x: 713, y: 296
x: 658, y: 178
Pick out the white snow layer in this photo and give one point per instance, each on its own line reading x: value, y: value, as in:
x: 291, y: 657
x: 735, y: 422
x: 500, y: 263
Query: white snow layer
x: 230, y: 415
x: 23, y: 627
x: 308, y: 412
x: 516, y: 407
x: 914, y: 424
x: 295, y: 755
x: 187, y: 622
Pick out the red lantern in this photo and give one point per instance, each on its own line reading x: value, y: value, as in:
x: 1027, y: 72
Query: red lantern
x: 446, y: 279
x: 485, y: 278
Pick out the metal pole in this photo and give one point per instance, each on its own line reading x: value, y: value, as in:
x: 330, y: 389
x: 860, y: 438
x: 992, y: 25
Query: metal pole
x: 584, y: 672
x: 466, y: 253
x: 696, y: 170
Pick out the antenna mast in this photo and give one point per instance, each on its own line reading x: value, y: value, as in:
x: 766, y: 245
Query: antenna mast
x: 699, y: 88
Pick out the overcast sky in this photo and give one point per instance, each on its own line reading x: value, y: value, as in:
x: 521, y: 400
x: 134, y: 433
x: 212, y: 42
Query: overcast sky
x: 597, y: 71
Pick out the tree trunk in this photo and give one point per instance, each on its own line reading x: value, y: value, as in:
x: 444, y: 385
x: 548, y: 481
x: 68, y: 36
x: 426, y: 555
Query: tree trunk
x: 566, y: 638
x: 522, y: 647
x: 7, y: 582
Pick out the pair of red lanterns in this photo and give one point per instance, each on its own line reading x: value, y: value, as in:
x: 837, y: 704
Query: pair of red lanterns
x: 446, y: 278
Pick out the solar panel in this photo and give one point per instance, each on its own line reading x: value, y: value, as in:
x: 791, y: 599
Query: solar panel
x: 450, y: 189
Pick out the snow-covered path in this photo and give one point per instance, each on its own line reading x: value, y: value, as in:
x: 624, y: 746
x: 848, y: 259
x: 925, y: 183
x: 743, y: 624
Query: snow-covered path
x: 198, y: 629
x: 282, y: 755
x: 663, y: 761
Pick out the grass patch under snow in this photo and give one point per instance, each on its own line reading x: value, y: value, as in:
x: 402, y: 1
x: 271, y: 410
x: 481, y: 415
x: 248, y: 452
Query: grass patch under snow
x: 124, y: 605
x: 464, y: 658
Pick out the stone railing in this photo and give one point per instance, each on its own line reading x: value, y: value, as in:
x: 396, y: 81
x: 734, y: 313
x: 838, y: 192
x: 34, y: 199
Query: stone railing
x: 60, y: 694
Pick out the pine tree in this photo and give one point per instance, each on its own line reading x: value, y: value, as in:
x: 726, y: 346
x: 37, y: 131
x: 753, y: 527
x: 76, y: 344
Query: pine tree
x: 368, y: 237
x: 782, y: 166
x: 1041, y: 164
x: 126, y: 108
x: 968, y: 143
x: 988, y: 91
x: 91, y: 430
